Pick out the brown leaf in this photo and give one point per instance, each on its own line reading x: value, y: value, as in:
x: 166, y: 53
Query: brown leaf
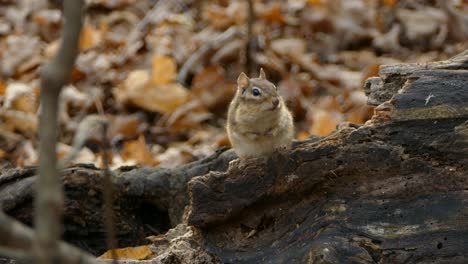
x: 138, y: 151
x: 85, y: 155
x: 210, y: 87
x: 291, y: 90
x: 164, y: 69
x: 301, y: 135
x: 140, y: 91
x: 389, y: 2
x: 26, y: 123
x: 188, y: 116
x: 128, y: 126
x: 136, y: 253
x: 273, y: 13
x: 2, y: 154
x: 324, y: 122
x: 222, y: 18
x: 2, y: 88
x: 286, y: 46
x: 90, y: 37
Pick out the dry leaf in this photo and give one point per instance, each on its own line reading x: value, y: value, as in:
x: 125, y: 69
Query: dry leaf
x: 138, y: 151
x: 51, y: 49
x: 18, y: 50
x: 26, y: 123
x: 85, y: 155
x: 135, y: 253
x: 272, y: 13
x: 71, y: 96
x: 314, y: 2
x: 287, y: 46
x: 26, y: 154
x: 301, y: 135
x: 188, y: 116
x: 90, y: 37
x: 222, y: 18
x: 175, y: 156
x: 390, y: 3
x: 427, y: 27
x: 127, y: 126
x: 164, y: 70
x: 291, y: 90
x: 324, y: 122
x: 2, y: 88
x: 138, y: 90
x: 210, y: 87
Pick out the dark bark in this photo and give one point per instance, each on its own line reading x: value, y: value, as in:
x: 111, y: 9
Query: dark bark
x: 390, y: 191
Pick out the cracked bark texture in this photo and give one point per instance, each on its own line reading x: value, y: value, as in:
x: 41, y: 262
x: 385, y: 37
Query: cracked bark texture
x: 391, y: 191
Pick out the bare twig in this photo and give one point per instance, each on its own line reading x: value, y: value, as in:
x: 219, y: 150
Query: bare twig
x: 19, y: 238
x: 249, y: 49
x: 216, y: 43
x: 49, y: 193
x: 108, y: 199
x: 90, y: 125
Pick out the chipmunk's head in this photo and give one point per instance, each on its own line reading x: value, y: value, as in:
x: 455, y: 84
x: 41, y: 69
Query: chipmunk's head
x: 259, y: 92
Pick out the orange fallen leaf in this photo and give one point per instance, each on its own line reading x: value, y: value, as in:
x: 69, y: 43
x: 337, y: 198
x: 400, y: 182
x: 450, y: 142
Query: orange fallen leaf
x: 89, y: 37
x: 136, y: 253
x: 20, y: 97
x: 314, y: 2
x: 389, y: 2
x: 138, y: 151
x: 273, y: 14
x: 188, y: 116
x: 164, y: 69
x: 2, y: 153
x: 211, y: 88
x: 2, y: 88
x: 223, y: 141
x: 324, y: 122
x: 126, y: 125
x: 138, y: 90
x: 301, y: 135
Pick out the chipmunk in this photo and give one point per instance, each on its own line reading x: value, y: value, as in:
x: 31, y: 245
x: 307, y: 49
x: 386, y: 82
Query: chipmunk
x: 258, y: 120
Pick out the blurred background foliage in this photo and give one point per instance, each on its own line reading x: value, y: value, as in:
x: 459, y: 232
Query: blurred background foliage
x: 164, y: 71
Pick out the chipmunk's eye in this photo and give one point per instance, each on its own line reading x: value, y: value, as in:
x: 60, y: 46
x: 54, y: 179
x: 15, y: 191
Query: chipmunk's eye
x: 256, y: 92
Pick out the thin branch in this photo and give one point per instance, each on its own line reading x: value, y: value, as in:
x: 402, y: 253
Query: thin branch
x: 49, y: 193
x: 249, y: 49
x: 108, y: 197
x: 19, y: 238
x: 216, y: 43
x: 90, y: 125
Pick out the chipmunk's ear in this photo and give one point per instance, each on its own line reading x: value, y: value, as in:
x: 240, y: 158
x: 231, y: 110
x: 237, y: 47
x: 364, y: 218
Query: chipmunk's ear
x: 242, y: 80
x: 262, y: 74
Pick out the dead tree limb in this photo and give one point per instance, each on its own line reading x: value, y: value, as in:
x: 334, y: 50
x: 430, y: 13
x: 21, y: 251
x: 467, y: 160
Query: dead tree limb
x: 21, y: 238
x: 49, y: 193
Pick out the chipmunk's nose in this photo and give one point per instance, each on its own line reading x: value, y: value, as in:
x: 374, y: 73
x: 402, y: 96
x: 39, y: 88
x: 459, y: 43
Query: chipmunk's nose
x: 275, y: 102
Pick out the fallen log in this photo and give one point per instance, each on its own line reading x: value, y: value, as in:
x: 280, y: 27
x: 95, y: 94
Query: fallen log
x: 393, y: 190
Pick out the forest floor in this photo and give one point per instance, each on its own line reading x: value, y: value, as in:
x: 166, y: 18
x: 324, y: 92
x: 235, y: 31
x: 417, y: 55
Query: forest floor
x: 164, y: 71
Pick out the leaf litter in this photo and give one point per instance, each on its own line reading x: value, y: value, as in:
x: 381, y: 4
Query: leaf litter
x: 133, y: 66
